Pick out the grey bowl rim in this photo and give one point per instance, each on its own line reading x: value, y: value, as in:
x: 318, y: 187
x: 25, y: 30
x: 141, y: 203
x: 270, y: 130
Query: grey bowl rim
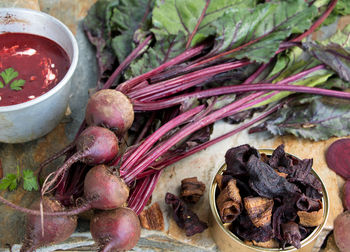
x: 68, y: 75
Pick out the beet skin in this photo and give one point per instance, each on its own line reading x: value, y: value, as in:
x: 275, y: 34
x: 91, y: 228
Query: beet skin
x: 111, y: 109
x: 104, y: 189
x: 56, y: 228
x: 115, y: 230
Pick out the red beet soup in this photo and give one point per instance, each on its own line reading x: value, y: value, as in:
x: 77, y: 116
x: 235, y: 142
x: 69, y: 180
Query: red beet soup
x: 30, y: 65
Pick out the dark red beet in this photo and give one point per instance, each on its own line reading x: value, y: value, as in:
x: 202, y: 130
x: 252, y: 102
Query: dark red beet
x: 111, y: 109
x: 95, y: 145
x: 99, y: 144
x: 56, y: 228
x: 103, y: 189
x: 341, y: 231
x: 338, y: 157
x: 346, y: 195
x: 115, y: 230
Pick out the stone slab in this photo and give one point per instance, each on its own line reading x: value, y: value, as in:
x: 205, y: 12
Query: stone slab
x: 203, y: 165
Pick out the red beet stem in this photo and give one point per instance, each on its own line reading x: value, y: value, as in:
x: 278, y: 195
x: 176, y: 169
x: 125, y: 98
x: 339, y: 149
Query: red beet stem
x: 139, y: 201
x: 152, y: 139
x: 181, y: 80
x: 256, y: 74
x: 198, y: 23
x: 318, y: 22
x: 177, y: 89
x: 186, y: 55
x: 215, y: 57
x: 75, y: 211
x: 165, y: 163
x: 52, y: 158
x: 186, y: 131
x: 139, y: 105
x: 161, y: 94
x: 48, y: 184
x: 162, y: 104
x: 134, y: 54
x: 223, y: 112
x: 145, y: 128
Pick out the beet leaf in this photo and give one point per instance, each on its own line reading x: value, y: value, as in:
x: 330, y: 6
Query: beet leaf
x: 268, y: 23
x: 333, y: 55
x: 110, y: 26
x: 315, y: 118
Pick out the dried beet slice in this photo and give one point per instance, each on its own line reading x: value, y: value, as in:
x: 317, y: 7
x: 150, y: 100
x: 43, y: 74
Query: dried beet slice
x: 236, y: 159
x: 266, y: 182
x: 259, y: 210
x: 338, y: 157
x: 291, y: 234
x: 307, y: 204
x: 184, y: 217
x: 229, y: 202
x: 280, y: 159
x: 302, y: 174
x: 246, y: 230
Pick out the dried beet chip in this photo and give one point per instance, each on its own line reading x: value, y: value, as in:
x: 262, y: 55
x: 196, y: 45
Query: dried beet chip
x: 229, y: 202
x: 236, y: 159
x: 313, y: 193
x: 291, y: 234
x: 304, y: 176
x: 307, y: 204
x: 191, y: 190
x: 184, y: 217
x: 280, y: 159
x: 266, y: 182
x: 246, y: 230
x: 282, y: 214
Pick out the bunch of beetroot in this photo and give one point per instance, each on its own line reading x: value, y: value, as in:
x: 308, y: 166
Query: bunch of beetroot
x: 118, y: 185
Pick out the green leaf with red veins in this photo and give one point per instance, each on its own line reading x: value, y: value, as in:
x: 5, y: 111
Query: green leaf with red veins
x: 269, y: 24
x: 316, y: 118
x: 174, y: 16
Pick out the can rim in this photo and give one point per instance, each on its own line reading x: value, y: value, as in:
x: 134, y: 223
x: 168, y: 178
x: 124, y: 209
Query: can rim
x: 304, y: 242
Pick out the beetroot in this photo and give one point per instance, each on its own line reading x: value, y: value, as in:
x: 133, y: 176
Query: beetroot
x: 103, y: 189
x: 56, y: 228
x: 111, y: 109
x: 346, y: 195
x: 117, y: 229
x: 338, y: 157
x: 342, y: 231
x: 95, y: 145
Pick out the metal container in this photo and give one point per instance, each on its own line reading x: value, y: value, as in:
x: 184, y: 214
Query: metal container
x: 228, y: 241
x: 32, y: 119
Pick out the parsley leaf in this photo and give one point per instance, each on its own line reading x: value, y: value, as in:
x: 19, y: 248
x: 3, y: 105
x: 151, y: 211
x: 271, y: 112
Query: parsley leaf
x: 1, y: 84
x: 9, y: 182
x: 8, y: 75
x: 29, y: 181
x: 17, y: 84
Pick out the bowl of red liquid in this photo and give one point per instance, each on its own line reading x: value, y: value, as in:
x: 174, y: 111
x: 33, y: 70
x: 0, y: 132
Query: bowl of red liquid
x: 38, y: 56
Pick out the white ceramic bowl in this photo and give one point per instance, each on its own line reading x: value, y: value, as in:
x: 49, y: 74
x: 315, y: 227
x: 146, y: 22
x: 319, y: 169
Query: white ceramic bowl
x: 32, y: 119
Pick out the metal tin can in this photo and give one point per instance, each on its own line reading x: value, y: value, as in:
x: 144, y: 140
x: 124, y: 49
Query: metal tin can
x: 228, y: 241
